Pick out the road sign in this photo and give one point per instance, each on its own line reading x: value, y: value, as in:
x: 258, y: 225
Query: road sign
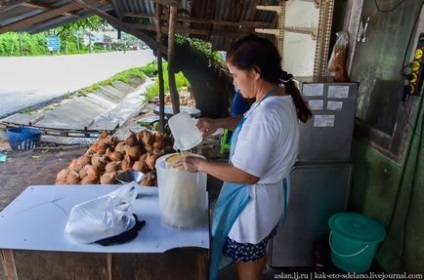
x: 53, y: 43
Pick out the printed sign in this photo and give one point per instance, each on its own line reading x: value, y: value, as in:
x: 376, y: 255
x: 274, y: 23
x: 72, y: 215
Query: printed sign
x: 338, y: 92
x: 316, y: 104
x: 313, y: 89
x: 335, y: 105
x: 53, y: 43
x: 324, y: 120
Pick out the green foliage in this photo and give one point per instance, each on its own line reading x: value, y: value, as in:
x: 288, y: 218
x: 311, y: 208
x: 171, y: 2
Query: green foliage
x: 68, y: 95
x: 15, y: 44
x: 199, y: 45
x: 124, y: 76
x: 153, y: 91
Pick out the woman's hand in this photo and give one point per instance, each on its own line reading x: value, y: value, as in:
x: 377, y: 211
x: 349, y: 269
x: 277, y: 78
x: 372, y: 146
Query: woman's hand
x: 189, y: 164
x: 207, y: 126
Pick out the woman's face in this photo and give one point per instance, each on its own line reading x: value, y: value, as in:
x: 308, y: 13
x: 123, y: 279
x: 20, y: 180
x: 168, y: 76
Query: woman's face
x: 244, y: 80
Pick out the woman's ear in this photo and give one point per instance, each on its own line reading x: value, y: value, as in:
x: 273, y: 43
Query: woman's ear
x: 256, y: 72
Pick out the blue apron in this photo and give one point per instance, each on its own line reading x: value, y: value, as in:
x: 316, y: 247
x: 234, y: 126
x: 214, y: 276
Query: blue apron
x: 231, y: 202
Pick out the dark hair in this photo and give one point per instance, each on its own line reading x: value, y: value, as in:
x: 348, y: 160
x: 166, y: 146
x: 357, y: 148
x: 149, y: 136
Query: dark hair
x: 254, y: 52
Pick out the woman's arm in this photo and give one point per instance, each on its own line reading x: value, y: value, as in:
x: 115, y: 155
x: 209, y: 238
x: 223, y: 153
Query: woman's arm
x: 223, y: 171
x: 208, y: 126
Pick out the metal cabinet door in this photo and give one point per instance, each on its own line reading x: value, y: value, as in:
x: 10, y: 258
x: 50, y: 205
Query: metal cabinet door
x: 316, y: 192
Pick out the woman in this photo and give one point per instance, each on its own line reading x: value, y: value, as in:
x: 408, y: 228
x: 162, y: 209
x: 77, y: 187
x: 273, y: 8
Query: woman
x: 263, y: 150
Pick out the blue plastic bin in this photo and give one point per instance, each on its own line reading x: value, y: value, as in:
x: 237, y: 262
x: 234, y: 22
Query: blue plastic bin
x: 23, y: 138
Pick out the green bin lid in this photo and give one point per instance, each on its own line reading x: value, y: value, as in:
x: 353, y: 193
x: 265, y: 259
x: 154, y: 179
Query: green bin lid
x: 357, y: 227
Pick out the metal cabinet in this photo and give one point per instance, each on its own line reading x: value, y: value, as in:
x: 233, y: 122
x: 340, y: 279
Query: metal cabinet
x: 317, y: 191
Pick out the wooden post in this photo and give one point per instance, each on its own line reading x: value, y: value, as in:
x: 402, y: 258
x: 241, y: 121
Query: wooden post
x: 160, y: 70
x: 9, y: 264
x: 175, y: 98
x: 109, y: 266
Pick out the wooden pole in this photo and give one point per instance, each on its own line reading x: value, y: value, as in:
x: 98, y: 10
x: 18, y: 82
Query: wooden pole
x: 175, y: 98
x: 160, y: 70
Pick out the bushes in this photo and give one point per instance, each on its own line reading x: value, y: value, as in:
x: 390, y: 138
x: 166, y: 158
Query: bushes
x: 24, y: 44
x: 153, y: 91
x: 15, y: 44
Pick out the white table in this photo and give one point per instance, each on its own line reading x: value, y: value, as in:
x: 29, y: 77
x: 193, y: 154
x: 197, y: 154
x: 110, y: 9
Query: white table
x: 36, y: 219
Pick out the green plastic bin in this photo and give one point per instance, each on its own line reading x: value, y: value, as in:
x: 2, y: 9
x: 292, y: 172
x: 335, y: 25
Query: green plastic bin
x: 353, y: 240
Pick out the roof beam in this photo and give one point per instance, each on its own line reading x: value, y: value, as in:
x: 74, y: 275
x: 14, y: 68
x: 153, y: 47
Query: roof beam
x: 240, y: 24
x: 7, y: 3
x: 42, y: 7
x: 43, y: 16
x: 193, y: 31
x: 175, y: 3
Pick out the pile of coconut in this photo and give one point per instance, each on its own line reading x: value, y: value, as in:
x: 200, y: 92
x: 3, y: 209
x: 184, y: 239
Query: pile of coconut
x: 108, y: 157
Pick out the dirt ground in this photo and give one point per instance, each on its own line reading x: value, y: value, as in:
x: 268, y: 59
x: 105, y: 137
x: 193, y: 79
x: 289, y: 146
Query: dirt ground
x: 40, y: 166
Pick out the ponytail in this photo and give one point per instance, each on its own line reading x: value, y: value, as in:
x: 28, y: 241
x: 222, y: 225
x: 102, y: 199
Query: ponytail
x: 302, y: 110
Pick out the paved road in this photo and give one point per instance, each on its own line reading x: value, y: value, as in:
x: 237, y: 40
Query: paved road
x: 28, y: 81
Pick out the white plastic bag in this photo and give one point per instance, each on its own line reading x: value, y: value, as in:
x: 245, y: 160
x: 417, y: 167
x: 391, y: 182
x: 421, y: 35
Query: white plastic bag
x: 103, y: 217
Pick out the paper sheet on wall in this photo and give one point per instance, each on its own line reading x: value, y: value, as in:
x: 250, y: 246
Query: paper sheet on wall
x: 324, y: 120
x: 335, y: 105
x: 316, y: 104
x: 313, y: 89
x: 338, y: 92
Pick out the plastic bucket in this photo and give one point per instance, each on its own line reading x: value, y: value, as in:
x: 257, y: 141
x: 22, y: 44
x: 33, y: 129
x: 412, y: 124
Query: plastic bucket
x: 23, y: 138
x: 182, y: 195
x: 353, y: 240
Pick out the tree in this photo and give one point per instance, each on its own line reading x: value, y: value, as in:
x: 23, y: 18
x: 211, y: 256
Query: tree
x: 211, y: 86
x: 67, y: 33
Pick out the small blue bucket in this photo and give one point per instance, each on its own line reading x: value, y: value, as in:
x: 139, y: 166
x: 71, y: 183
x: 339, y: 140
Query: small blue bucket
x: 23, y: 138
x: 353, y: 240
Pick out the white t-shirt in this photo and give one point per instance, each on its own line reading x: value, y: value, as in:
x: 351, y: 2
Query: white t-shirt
x: 267, y: 147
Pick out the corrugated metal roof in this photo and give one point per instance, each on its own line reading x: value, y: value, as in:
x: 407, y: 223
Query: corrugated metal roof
x: 217, y: 21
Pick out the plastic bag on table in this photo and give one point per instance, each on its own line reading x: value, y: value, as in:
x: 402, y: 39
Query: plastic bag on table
x: 103, y: 217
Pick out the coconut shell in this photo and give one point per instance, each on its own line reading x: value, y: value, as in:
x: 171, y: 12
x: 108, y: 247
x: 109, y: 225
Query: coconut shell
x: 108, y: 178
x: 131, y: 140
x: 151, y: 160
x: 126, y: 164
x: 61, y: 176
x: 73, y: 178
x: 133, y: 152
x: 116, y: 156
x: 91, y: 170
x: 120, y: 147
x: 140, y: 166
x: 113, y: 166
x: 99, y: 161
x: 149, y: 181
x: 92, y: 179
x: 83, y: 160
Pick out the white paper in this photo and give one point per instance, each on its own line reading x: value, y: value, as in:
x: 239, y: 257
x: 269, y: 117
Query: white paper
x: 338, y: 92
x: 324, y: 120
x: 335, y: 105
x: 313, y: 89
x: 316, y: 104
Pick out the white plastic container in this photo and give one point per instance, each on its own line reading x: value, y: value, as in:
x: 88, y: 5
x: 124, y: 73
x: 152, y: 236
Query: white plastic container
x: 182, y: 195
x: 186, y: 134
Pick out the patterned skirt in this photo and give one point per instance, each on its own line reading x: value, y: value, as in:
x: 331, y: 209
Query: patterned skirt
x: 246, y: 252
